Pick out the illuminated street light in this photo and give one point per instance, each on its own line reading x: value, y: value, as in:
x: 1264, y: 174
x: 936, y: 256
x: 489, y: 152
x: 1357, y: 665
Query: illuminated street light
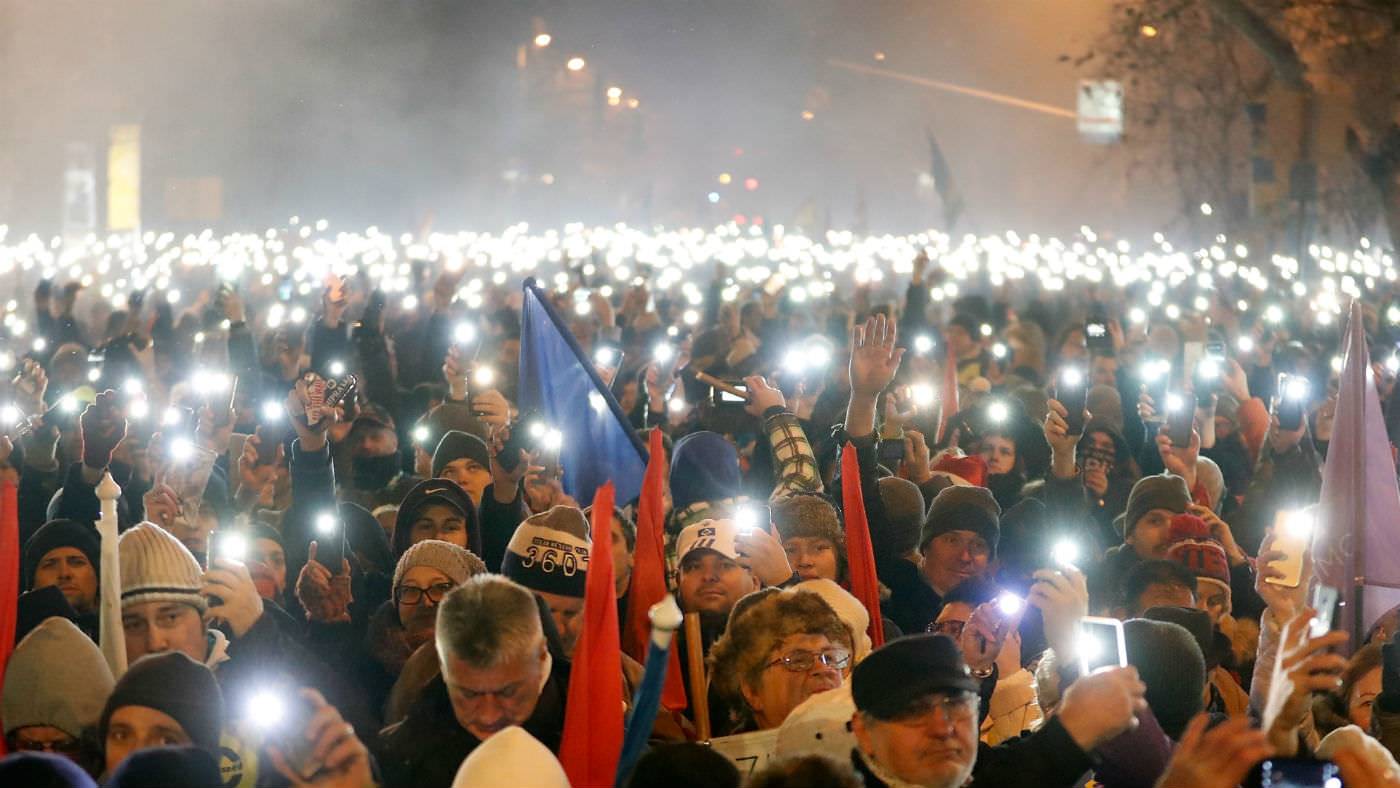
x: 1148, y: 31
x: 807, y: 114
x: 614, y: 92
x: 725, y: 178
x: 634, y: 103
x: 542, y: 40
x: 576, y: 64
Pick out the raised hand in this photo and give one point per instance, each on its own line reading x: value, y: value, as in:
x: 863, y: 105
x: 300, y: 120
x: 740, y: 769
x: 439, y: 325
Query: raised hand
x: 762, y: 396
x: 874, y: 358
x: 1218, y: 758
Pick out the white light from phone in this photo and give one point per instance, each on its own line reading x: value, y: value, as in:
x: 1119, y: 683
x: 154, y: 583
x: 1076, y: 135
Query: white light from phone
x: 1071, y: 376
x: 605, y: 357
x: 1064, y: 553
x: 1300, y: 525
x: 484, y: 377
x: 265, y: 709
x: 663, y: 352
x: 1175, y: 403
x: 1245, y: 344
x: 1010, y: 604
x: 420, y: 434
x: 336, y: 368
x: 138, y: 409
x: 271, y: 410
x: 10, y: 415
x: 553, y: 440
x: 68, y: 404
x: 1296, y: 388
x: 746, y: 518
x: 464, y: 333
x: 233, y: 545
x: 1209, y: 368
x: 923, y: 395
x: 325, y: 524
x: 999, y: 350
x: 181, y: 449
x: 998, y: 412
x: 923, y: 344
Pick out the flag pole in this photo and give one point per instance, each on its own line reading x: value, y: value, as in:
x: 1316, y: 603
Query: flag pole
x: 110, y: 635
x: 665, y: 620
x: 695, y: 658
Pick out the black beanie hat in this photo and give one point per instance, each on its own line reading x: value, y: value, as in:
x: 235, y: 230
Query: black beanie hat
x: 1162, y: 491
x: 456, y: 445
x: 42, y: 770
x: 60, y: 533
x: 430, y: 491
x: 1170, y: 663
x: 366, y: 536
x: 899, y: 530
x: 960, y: 508
x: 178, y: 686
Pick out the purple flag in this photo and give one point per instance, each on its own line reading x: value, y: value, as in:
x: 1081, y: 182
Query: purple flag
x: 1358, y: 542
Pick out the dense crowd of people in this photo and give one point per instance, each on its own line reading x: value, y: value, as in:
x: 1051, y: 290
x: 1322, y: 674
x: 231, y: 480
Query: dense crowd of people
x: 348, y: 558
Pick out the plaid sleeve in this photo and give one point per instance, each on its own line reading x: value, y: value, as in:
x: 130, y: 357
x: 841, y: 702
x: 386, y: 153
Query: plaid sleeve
x: 794, y: 463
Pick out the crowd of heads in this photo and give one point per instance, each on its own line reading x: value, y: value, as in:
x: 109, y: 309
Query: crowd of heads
x: 347, y: 556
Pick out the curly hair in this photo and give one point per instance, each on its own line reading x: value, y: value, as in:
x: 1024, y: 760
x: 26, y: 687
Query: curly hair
x: 759, y: 624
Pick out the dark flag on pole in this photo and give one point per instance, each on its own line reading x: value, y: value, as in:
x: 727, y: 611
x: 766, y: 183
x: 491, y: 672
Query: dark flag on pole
x: 560, y: 385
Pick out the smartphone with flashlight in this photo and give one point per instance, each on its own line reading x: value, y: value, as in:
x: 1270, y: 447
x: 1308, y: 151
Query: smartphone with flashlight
x: 750, y: 516
x: 509, y: 455
x: 1100, y: 644
x: 1297, y: 773
x: 723, y: 397
x: 1096, y: 336
x: 281, y: 716
x: 1181, y: 416
x: 891, y: 450
x: 1206, y: 380
x: 1156, y: 376
x: 1072, y: 391
x: 1293, y: 532
x: 1290, y: 401
x: 231, y: 545
x: 1324, y: 603
x: 330, y: 540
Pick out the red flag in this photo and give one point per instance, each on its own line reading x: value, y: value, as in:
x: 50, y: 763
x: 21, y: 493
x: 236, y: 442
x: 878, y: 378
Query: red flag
x: 948, y: 398
x: 592, y: 740
x: 860, y: 554
x: 9, y: 574
x: 649, y: 574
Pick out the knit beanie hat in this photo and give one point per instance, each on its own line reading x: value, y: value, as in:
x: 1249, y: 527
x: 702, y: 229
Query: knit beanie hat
x: 549, y: 552
x: 158, y: 767
x: 847, y: 608
x: 963, y: 509
x: 43, y: 770
x: 60, y: 533
x: 456, y: 445
x: 1228, y: 408
x: 37, y: 606
x: 1170, y: 663
x: 1210, y: 477
x: 511, y: 757
x: 431, y: 491
x: 455, y: 562
x: 966, y: 471
x: 56, y: 676
x: 808, y: 516
x: 1163, y: 491
x: 172, y: 683
x: 904, y: 516
x: 156, y: 567
x: 704, y: 467
x: 1190, y: 543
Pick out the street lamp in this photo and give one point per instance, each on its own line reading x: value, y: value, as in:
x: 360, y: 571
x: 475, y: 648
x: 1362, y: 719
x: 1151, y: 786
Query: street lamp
x: 542, y: 40
x: 576, y: 64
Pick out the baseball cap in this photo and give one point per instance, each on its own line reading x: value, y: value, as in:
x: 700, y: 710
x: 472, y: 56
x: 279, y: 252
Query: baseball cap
x: 715, y: 535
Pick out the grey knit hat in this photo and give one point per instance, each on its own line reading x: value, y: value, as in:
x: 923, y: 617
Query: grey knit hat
x: 156, y: 567
x: 57, y: 676
x: 963, y: 509
x: 1162, y: 491
x: 458, y: 563
x: 549, y: 552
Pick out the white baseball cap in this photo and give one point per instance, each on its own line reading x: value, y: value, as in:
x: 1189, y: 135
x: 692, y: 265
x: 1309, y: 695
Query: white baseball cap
x: 715, y: 535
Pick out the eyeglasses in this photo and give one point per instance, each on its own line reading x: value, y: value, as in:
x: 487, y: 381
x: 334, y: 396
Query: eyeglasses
x: 956, y: 706
x: 412, y: 595
x: 60, y: 747
x: 802, y: 661
x: 1093, y: 457
x: 952, y: 628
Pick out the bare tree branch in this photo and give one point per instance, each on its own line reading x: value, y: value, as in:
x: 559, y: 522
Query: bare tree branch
x: 1284, y: 59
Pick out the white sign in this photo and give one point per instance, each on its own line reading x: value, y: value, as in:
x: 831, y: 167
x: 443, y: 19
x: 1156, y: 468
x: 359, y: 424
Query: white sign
x: 749, y: 752
x: 1100, y: 104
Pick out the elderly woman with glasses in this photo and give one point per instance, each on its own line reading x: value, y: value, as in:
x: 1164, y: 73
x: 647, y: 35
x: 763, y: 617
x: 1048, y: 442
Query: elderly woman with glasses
x: 780, y: 648
x: 425, y: 573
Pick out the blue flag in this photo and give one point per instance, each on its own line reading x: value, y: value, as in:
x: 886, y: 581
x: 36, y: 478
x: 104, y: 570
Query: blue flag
x: 559, y: 385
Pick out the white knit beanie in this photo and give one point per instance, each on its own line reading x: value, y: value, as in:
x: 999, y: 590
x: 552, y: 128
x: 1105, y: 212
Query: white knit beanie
x: 156, y: 567
x: 511, y: 757
x: 847, y: 608
x: 57, y: 676
x: 458, y: 563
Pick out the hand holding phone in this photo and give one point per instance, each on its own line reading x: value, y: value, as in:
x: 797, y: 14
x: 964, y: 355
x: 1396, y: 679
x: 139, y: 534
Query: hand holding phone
x: 1181, y: 419
x: 1100, y: 644
x: 1293, y: 533
x: 1072, y: 391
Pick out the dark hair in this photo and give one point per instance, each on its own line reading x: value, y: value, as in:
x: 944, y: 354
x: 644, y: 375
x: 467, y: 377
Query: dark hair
x: 683, y: 765
x: 1154, y: 572
x: 973, y: 591
x: 806, y: 771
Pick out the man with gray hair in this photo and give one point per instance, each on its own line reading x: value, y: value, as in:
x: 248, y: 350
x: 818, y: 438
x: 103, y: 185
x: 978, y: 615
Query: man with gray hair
x: 501, y: 666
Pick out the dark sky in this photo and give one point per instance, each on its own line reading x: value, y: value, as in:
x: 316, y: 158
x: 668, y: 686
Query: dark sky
x: 383, y: 111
